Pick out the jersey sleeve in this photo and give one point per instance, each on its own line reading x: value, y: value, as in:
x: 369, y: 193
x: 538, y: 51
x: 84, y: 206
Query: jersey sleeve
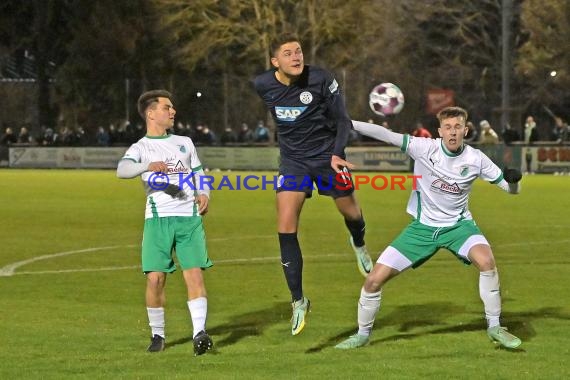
x: 195, y: 163
x: 336, y: 108
x: 133, y: 154
x: 378, y: 132
x: 197, y: 170
x: 493, y: 174
x: 130, y: 164
x: 489, y: 171
x: 256, y: 84
x: 417, y: 146
x: 259, y: 83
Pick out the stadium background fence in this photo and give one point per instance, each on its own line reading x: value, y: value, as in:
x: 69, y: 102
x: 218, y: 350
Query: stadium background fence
x: 542, y: 159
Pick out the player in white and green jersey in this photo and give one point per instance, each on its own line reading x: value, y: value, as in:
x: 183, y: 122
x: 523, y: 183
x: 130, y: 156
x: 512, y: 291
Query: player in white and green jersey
x: 445, y: 169
x: 181, y: 175
x: 176, y: 200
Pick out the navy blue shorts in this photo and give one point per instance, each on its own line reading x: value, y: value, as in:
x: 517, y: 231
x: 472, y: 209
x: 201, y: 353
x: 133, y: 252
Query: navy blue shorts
x: 314, y: 174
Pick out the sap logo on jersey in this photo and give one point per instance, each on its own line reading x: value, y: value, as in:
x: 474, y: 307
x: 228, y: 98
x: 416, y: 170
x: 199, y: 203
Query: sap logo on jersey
x: 289, y: 113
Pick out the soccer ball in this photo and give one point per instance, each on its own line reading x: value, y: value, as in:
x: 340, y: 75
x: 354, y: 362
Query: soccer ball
x: 386, y: 99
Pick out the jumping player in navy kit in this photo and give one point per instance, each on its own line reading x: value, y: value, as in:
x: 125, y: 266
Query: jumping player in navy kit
x: 313, y: 127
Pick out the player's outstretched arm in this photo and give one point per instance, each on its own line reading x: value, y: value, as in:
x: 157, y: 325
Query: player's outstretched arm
x: 511, y: 181
x: 129, y: 169
x: 378, y: 132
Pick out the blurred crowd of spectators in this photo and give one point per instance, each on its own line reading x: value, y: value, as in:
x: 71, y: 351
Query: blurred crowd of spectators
x: 485, y: 134
x: 128, y: 134
x: 77, y: 136
x: 202, y: 134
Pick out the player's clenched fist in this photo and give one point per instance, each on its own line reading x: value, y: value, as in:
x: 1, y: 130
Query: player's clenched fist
x: 158, y: 167
x: 512, y: 175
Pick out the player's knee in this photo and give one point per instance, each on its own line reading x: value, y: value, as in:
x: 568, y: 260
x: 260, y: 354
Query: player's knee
x: 287, y: 223
x: 482, y: 257
x: 155, y: 280
x: 370, y: 287
x: 378, y: 277
x: 485, y: 263
x: 193, y: 277
x: 350, y: 211
x: 373, y: 283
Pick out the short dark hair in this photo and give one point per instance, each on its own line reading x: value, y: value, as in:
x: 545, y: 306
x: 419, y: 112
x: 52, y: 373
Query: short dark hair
x: 281, y: 40
x: 449, y: 112
x: 148, y: 98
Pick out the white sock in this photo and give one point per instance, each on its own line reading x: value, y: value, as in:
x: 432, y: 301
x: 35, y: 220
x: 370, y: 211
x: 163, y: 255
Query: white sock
x: 198, y: 310
x: 156, y: 320
x: 489, y: 290
x: 368, y: 306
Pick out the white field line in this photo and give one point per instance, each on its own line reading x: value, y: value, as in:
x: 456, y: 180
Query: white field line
x: 222, y: 261
x: 10, y: 269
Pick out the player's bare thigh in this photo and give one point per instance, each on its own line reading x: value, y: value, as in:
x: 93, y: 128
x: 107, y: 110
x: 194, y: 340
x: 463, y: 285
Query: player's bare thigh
x: 289, y: 205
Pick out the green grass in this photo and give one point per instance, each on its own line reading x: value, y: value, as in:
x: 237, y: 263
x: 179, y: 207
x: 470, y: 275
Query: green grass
x: 84, y: 315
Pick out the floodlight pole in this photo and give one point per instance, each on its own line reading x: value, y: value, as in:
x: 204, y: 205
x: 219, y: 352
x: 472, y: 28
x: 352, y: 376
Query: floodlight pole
x: 506, y: 22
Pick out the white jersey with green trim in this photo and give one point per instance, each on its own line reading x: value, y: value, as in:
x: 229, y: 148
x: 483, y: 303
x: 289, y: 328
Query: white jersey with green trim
x: 444, y: 180
x: 184, y: 172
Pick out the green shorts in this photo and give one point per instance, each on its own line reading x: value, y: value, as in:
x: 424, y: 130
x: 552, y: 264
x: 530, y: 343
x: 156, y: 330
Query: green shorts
x: 418, y: 242
x: 183, y: 234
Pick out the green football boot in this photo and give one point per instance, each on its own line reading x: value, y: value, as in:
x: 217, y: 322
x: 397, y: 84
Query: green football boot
x: 500, y: 335
x: 353, y: 341
x: 300, y: 310
x: 363, y: 259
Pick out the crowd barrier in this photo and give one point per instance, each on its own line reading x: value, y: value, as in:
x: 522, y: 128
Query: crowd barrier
x: 538, y: 159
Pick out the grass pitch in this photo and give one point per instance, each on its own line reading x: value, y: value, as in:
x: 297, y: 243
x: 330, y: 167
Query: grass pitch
x: 72, y: 295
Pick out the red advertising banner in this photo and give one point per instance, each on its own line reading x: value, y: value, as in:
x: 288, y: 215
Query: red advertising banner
x: 438, y: 98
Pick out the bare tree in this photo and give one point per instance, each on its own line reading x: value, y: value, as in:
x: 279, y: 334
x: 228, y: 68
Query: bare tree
x: 112, y: 42
x: 233, y: 36
x: 544, y: 62
x: 33, y: 35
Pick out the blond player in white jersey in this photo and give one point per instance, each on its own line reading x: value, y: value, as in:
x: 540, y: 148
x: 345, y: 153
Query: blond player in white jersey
x: 170, y: 170
x: 445, y: 169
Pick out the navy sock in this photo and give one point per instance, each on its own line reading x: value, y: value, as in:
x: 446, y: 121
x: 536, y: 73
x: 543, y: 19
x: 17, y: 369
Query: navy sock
x: 292, y: 262
x: 357, y: 229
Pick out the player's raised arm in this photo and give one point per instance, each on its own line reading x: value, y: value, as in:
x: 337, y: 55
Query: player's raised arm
x: 378, y: 132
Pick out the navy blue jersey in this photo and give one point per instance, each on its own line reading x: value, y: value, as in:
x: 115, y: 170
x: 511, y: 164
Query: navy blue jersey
x: 310, y: 114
